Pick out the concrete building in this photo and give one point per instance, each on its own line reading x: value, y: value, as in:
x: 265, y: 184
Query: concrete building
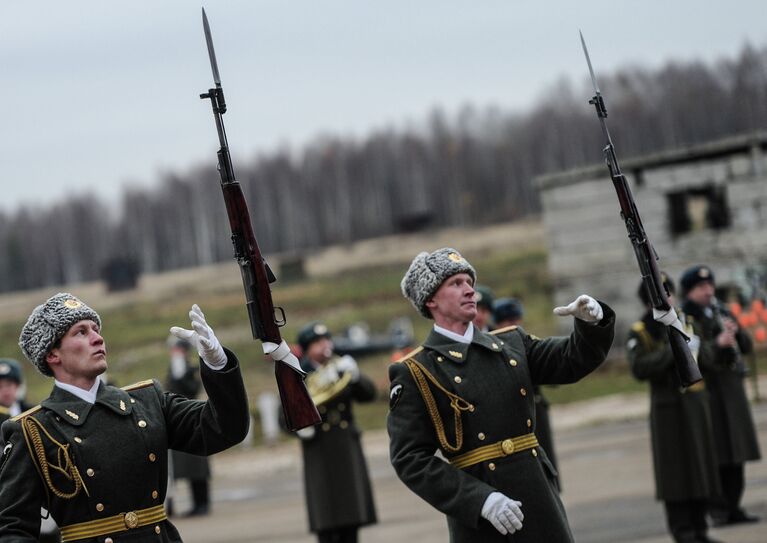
x: 700, y: 204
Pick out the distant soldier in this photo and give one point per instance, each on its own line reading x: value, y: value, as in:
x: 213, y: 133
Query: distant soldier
x: 339, y: 497
x: 468, y: 394
x: 10, y: 385
x: 509, y: 312
x: 485, y: 298
x: 684, y: 454
x: 723, y: 345
x: 96, y: 456
x: 184, y: 379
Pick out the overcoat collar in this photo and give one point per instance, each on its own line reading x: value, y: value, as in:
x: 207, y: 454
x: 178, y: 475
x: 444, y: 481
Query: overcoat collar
x: 75, y: 410
x: 458, y: 352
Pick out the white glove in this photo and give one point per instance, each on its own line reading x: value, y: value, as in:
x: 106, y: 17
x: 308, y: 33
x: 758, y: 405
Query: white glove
x: 202, y: 337
x: 669, y: 318
x: 503, y: 513
x: 348, y: 365
x: 306, y: 433
x: 282, y: 353
x: 694, y: 345
x: 584, y: 308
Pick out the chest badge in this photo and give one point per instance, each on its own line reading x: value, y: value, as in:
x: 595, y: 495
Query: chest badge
x: 73, y: 415
x: 122, y: 405
x: 455, y: 354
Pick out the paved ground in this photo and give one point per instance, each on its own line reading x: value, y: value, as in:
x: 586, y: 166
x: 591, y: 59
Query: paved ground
x: 604, y: 453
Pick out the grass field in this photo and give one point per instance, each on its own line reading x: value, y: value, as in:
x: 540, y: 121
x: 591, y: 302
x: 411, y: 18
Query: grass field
x: 137, y: 326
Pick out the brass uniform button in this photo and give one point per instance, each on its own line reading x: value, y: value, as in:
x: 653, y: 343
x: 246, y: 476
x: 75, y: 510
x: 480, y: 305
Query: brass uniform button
x: 325, y: 427
x: 344, y: 425
x: 90, y: 472
x: 529, y: 423
x: 440, y: 359
x: 132, y: 400
x: 491, y: 466
x: 457, y: 379
x: 535, y: 453
x: 152, y: 457
x: 142, y: 424
x: 507, y: 446
x: 513, y: 363
x: 342, y: 407
x: 523, y: 392
x: 99, y: 507
x: 495, y: 346
x: 471, y: 409
x: 155, y: 494
x: 78, y: 439
x: 322, y: 409
x: 157, y: 530
x: 481, y: 436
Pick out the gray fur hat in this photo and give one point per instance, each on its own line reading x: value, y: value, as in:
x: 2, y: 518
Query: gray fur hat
x: 48, y: 323
x: 428, y: 271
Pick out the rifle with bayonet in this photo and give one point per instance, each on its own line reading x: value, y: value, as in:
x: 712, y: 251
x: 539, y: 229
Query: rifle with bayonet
x: 265, y: 321
x: 686, y: 366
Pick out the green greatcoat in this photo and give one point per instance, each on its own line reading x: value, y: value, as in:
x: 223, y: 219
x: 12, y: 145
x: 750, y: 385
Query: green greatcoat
x: 119, y: 447
x: 338, y: 489
x: 496, y: 375
x: 734, y: 430
x: 683, y: 447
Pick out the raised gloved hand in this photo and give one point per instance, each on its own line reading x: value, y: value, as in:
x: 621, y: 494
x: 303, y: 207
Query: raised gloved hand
x: 503, y: 513
x: 203, y: 338
x: 584, y: 308
x: 346, y: 364
x: 281, y: 353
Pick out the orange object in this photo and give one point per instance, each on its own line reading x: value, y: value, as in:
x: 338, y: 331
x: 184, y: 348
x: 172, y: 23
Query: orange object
x: 736, y: 309
x: 744, y: 320
x: 760, y: 334
x: 757, y: 306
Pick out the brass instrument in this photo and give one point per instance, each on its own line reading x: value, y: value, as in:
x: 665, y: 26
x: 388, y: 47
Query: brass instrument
x: 327, y: 382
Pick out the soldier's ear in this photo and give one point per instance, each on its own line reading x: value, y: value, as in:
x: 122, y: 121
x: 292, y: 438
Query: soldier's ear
x: 53, y: 358
x: 430, y: 303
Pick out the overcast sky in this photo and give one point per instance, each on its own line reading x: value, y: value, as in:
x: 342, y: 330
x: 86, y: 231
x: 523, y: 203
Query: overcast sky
x: 98, y: 95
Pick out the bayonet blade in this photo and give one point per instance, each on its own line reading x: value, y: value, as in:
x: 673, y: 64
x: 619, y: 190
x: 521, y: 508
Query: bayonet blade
x: 588, y: 59
x: 211, y: 51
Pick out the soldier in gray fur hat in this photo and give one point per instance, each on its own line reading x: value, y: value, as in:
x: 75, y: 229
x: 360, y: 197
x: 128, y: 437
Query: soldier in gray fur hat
x: 469, y: 394
x: 95, y: 455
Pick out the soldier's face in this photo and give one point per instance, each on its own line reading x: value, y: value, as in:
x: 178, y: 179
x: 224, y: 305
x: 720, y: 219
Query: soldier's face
x: 454, y: 300
x: 320, y: 350
x: 483, y: 318
x: 81, y: 354
x: 702, y: 293
x: 8, y: 390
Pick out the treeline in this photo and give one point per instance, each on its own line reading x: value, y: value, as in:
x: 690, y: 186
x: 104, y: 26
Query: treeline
x: 472, y: 167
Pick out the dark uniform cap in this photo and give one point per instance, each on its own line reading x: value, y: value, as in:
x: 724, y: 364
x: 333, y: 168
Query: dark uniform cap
x: 48, y: 323
x: 10, y: 369
x: 667, y: 282
x: 311, y: 333
x: 697, y: 274
x: 507, y: 309
x: 484, y: 296
x: 180, y: 343
x: 428, y: 271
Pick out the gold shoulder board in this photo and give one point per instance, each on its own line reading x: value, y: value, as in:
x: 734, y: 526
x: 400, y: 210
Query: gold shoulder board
x: 4, y: 410
x: 28, y: 412
x: 411, y: 354
x: 504, y: 330
x: 140, y: 384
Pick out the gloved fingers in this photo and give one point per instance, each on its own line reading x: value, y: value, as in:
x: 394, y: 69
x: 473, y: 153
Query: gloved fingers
x: 202, y: 329
x: 505, y: 517
x: 206, y: 344
x: 565, y: 310
x: 590, y: 306
x: 515, y: 516
x: 183, y: 333
x: 517, y: 508
x: 498, y: 525
x: 196, y: 313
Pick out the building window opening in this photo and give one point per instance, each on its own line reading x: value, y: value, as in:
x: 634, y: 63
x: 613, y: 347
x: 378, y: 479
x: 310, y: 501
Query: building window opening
x: 697, y: 209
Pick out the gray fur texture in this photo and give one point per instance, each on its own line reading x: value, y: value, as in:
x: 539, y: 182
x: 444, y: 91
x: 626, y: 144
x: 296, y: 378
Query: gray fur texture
x: 48, y: 323
x: 428, y: 271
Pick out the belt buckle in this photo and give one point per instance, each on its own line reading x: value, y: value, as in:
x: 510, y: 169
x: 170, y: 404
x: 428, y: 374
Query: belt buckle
x: 131, y: 520
x: 507, y: 446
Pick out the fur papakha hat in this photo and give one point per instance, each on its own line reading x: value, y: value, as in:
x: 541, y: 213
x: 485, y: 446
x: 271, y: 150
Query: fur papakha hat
x: 48, y: 323
x: 428, y: 271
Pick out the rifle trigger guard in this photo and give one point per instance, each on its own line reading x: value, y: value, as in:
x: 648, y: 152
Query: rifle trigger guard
x: 279, y: 317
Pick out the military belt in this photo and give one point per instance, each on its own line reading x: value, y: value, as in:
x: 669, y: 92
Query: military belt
x: 495, y: 450
x: 697, y: 387
x: 114, y: 524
